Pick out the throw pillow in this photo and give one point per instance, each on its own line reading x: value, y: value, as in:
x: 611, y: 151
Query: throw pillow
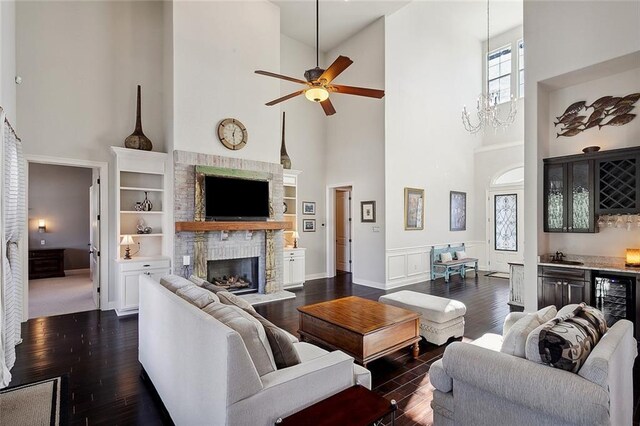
x: 461, y: 255
x: 514, y: 342
x: 197, y: 296
x: 174, y: 282
x: 546, y: 314
x: 250, y: 330
x: 197, y: 280
x: 231, y: 299
x: 565, y: 342
x: 284, y: 353
x: 445, y: 257
x: 212, y: 287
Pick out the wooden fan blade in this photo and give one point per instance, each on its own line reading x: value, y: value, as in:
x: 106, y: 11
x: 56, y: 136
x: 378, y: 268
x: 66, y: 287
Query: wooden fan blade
x: 339, y: 65
x: 284, y: 98
x: 280, y: 76
x: 359, y: 91
x: 327, y: 106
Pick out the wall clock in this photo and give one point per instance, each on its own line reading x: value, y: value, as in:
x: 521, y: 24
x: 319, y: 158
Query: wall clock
x: 232, y: 134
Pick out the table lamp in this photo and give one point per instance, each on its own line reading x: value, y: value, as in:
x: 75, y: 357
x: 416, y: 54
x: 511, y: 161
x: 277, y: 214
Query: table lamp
x: 633, y: 257
x: 127, y: 240
x: 295, y: 239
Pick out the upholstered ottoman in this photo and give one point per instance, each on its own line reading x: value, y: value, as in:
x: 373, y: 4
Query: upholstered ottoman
x: 441, y: 318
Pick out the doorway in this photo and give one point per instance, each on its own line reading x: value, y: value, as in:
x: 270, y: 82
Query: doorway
x: 343, y: 230
x: 65, y: 235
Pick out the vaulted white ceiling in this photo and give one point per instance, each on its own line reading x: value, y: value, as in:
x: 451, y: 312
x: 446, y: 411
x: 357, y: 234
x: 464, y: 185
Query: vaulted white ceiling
x: 341, y: 19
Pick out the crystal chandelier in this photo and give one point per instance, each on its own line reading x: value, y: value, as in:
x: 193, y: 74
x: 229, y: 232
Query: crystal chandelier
x: 487, y: 105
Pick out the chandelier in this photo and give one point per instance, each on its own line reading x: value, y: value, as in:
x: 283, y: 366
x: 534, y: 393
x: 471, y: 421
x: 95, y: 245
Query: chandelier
x: 487, y: 105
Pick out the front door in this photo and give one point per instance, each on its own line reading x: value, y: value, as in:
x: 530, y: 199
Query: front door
x: 94, y: 243
x: 343, y: 231
x: 505, y: 231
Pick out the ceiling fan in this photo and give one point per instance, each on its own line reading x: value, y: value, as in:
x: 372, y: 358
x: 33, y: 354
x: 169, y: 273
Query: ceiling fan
x: 318, y: 81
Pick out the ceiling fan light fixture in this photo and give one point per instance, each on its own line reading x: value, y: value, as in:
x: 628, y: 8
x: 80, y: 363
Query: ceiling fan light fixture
x: 317, y: 94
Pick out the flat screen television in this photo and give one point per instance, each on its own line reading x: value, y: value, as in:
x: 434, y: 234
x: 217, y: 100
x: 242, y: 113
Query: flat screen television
x: 236, y: 199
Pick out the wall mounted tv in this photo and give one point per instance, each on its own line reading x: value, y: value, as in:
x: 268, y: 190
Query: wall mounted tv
x: 236, y: 199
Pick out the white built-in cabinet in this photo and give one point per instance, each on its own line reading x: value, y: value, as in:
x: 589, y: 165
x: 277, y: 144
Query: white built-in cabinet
x: 293, y: 270
x: 138, y: 173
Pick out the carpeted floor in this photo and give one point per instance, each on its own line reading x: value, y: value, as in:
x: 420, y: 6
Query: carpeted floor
x: 35, y: 404
x: 57, y: 296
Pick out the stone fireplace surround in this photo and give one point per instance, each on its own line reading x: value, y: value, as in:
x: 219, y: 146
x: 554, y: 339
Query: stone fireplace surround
x: 268, y: 246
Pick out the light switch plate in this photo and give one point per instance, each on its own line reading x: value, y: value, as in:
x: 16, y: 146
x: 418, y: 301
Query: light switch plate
x: 42, y: 242
x: 376, y: 229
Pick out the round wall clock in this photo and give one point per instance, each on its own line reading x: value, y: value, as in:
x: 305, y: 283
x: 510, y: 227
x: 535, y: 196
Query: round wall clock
x: 232, y: 133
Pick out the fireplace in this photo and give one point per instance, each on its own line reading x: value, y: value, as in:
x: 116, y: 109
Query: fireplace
x: 237, y: 275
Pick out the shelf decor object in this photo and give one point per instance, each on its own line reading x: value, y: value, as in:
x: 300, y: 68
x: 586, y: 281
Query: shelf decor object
x: 127, y: 241
x: 284, y: 157
x: 137, y: 139
x: 487, y: 104
x: 633, y: 257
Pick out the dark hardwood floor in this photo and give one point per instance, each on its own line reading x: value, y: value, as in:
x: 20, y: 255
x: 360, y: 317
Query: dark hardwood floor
x: 98, y: 350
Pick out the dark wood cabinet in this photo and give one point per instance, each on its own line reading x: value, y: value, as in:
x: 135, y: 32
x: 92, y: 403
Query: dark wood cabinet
x: 46, y: 263
x: 618, y: 182
x: 563, y: 286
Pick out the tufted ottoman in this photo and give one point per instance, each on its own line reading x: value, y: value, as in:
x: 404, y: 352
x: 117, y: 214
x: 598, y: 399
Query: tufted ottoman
x: 441, y: 318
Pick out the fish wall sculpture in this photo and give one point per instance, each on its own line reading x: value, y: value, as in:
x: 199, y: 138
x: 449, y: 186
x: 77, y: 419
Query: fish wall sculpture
x: 606, y: 111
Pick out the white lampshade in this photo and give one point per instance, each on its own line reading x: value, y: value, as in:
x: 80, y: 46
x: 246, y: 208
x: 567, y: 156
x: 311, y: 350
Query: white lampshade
x: 296, y: 234
x: 126, y: 240
x: 317, y: 94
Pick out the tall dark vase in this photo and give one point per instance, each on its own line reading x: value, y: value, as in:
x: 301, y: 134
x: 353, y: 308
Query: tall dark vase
x: 284, y: 157
x: 137, y: 139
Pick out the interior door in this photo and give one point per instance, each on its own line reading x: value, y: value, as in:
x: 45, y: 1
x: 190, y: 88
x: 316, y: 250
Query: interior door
x: 94, y: 243
x: 505, y: 228
x: 343, y: 231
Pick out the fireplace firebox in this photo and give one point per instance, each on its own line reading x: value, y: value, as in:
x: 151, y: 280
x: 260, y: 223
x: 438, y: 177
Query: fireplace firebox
x: 239, y: 276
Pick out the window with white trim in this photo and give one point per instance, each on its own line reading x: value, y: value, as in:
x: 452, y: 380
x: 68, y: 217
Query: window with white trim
x: 499, y: 77
x: 521, y: 68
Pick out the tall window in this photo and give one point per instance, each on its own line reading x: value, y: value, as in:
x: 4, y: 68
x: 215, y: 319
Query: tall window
x: 521, y: 68
x: 499, y: 78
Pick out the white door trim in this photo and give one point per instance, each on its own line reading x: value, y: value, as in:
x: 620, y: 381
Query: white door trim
x: 489, y: 230
x: 331, y: 229
x: 103, y: 168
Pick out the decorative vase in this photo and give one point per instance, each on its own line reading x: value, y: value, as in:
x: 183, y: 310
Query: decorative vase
x: 137, y: 139
x: 146, y: 204
x: 284, y: 157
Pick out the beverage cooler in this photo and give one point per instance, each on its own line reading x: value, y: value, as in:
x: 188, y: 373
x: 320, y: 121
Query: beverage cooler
x: 615, y: 296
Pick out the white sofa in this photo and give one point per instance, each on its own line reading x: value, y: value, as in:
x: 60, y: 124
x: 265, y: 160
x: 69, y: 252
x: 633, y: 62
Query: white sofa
x: 476, y: 384
x: 204, y: 375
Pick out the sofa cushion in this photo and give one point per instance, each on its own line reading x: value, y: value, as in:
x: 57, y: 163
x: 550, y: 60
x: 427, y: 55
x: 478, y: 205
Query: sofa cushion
x: 307, y: 351
x: 229, y: 298
x: 566, y: 341
x: 546, y: 314
x: 284, y: 354
x: 432, y: 308
x: 197, y: 280
x: 197, y: 296
x: 250, y: 330
x: 174, y: 282
x: 489, y: 341
x: 515, y: 341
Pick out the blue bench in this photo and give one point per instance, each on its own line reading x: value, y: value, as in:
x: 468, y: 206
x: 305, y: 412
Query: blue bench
x: 452, y: 267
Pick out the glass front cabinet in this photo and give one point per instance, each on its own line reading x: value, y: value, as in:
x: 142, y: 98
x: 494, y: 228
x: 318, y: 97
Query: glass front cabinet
x: 569, y: 196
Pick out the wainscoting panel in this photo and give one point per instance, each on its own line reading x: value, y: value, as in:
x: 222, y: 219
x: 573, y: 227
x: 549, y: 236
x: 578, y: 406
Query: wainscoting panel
x: 412, y: 265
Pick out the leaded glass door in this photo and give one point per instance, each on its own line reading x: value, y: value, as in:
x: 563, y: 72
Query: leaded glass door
x: 581, y: 197
x: 506, y: 222
x: 555, y: 201
x: 505, y: 228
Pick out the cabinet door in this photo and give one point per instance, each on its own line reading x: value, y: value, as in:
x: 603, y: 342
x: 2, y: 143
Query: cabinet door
x: 129, y: 286
x: 580, y: 200
x: 551, y: 292
x: 286, y: 271
x: 574, y: 292
x: 297, y: 270
x: 555, y: 198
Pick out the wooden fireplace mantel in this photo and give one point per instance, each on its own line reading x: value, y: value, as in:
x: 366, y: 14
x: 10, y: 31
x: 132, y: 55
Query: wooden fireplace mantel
x: 231, y: 226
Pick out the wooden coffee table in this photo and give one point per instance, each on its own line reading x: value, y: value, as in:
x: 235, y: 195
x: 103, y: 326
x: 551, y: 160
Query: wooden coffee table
x: 364, y: 329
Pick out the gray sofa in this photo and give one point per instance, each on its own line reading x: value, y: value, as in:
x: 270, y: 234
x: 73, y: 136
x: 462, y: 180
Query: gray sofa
x: 476, y: 384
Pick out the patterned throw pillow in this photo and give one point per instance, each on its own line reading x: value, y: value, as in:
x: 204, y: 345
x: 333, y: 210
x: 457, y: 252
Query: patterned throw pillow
x: 445, y: 257
x: 565, y: 342
x: 461, y: 255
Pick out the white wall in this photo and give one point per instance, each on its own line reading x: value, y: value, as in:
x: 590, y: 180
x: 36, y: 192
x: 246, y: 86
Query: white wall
x: 306, y: 146
x: 355, y: 149
x: 429, y: 77
x: 80, y: 63
x: 8, y: 59
x: 556, y: 34
x: 217, y: 46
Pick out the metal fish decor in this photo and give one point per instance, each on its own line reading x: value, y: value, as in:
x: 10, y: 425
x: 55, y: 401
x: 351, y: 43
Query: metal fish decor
x: 607, y: 111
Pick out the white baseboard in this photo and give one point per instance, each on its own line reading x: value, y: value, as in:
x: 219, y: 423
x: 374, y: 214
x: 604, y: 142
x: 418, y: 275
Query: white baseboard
x: 77, y: 271
x: 368, y: 283
x: 317, y: 276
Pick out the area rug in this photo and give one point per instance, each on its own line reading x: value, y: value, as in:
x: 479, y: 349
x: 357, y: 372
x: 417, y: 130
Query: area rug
x: 43, y: 403
x: 504, y: 275
x: 259, y: 299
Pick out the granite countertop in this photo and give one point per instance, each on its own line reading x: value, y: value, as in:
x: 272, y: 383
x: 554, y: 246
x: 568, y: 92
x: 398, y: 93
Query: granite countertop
x: 600, y: 263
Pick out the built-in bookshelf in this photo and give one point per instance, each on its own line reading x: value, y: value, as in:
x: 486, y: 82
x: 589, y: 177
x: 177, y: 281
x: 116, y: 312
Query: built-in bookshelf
x: 290, y: 200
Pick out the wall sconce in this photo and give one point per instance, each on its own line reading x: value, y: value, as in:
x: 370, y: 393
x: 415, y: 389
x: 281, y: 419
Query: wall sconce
x: 42, y: 226
x: 633, y: 257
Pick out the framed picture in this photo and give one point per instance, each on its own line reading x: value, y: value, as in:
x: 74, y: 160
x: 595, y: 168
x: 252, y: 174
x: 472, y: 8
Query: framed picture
x: 413, y: 209
x: 367, y: 211
x: 309, y: 207
x: 308, y: 225
x: 457, y: 211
